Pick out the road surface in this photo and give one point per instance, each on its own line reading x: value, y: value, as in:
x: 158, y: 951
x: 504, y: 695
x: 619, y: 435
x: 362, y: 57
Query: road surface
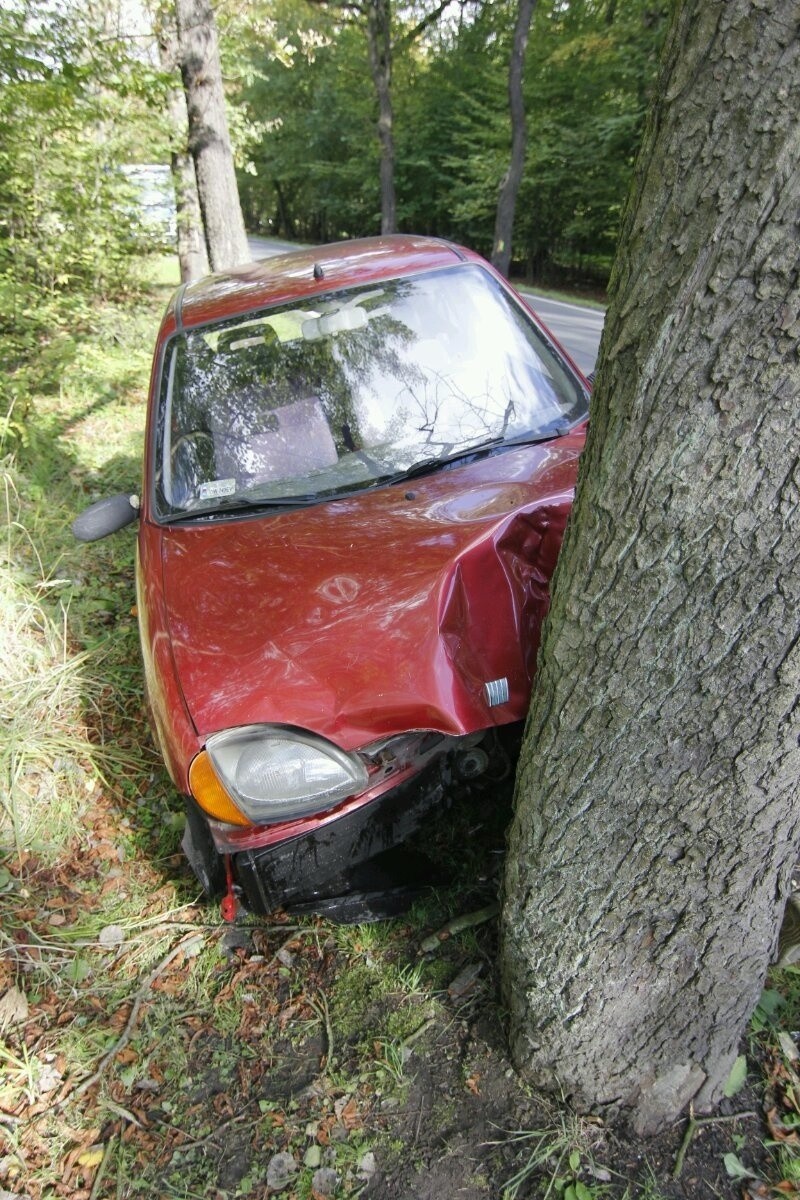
x: 577, y: 328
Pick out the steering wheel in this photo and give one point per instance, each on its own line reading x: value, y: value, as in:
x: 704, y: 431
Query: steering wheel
x: 192, y: 441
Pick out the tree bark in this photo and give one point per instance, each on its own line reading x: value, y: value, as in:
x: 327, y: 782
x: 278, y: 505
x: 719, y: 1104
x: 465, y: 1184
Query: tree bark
x: 192, y: 254
x: 507, y: 201
x: 657, y: 813
x: 379, y: 43
x: 209, y: 142
x: 191, y: 246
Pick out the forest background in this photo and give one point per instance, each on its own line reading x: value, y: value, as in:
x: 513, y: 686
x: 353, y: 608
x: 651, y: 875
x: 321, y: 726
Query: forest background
x: 84, y: 96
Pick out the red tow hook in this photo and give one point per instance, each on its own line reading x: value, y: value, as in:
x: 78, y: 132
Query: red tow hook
x: 230, y: 905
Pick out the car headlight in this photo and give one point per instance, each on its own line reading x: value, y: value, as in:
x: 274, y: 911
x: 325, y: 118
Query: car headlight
x: 258, y: 775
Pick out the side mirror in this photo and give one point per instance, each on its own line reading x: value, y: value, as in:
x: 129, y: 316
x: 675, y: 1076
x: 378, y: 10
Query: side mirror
x: 104, y: 517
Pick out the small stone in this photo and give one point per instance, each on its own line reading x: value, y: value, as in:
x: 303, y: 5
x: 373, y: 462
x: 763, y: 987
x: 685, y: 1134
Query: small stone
x: 49, y: 1079
x: 324, y: 1181
x: 367, y: 1165
x: 235, y: 939
x: 313, y: 1157
x: 284, y: 956
x: 281, y: 1169
x: 465, y: 981
x: 339, y: 1133
x: 147, y: 1085
x: 111, y: 935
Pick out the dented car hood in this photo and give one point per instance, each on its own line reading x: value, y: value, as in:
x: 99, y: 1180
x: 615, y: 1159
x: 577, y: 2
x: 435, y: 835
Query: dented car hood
x: 378, y: 613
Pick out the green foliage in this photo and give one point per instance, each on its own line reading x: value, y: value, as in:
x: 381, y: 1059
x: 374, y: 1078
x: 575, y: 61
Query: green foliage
x: 310, y: 114
x: 312, y: 163
x: 73, y: 109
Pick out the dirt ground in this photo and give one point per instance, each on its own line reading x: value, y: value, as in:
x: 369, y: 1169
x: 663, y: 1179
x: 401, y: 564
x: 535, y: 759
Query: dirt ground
x: 290, y: 1057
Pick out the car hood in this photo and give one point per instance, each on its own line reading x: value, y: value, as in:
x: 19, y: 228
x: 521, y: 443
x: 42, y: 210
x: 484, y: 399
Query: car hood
x: 375, y: 614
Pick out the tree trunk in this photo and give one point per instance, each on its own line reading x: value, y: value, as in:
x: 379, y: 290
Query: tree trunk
x: 657, y: 814
x: 379, y: 41
x: 192, y: 257
x: 507, y: 201
x: 209, y: 143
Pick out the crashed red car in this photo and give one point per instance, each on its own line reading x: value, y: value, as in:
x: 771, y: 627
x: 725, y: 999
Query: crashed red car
x: 359, y: 463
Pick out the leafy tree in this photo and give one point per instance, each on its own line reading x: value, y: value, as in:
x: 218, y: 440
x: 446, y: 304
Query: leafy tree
x: 312, y: 166
x: 507, y: 201
x: 209, y: 141
x: 190, y: 235
x: 73, y: 110
x: 657, y: 822
x: 590, y: 70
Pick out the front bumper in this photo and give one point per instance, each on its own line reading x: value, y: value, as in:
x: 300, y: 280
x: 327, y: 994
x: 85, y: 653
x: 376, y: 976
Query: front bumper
x: 342, y: 867
x: 316, y: 869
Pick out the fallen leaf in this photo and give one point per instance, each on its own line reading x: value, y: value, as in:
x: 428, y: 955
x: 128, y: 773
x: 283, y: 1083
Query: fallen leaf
x: 57, y: 919
x: 13, y: 1008
x: 778, y: 1130
x: 349, y: 1115
x: 788, y: 1046
x: 736, y: 1079
x: 91, y: 1157
x: 472, y: 1084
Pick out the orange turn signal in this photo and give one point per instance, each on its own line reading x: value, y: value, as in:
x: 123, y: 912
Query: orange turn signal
x: 210, y: 794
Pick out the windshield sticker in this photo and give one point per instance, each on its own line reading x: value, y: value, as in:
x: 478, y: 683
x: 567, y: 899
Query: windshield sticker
x: 217, y: 488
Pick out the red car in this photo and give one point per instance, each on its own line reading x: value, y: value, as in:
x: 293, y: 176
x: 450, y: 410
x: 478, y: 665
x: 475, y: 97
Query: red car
x: 359, y: 463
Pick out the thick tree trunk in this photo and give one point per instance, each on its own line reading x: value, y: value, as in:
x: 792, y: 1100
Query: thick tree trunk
x: 379, y: 42
x: 192, y: 255
x: 209, y: 143
x: 507, y: 201
x: 191, y: 246
x: 658, y: 811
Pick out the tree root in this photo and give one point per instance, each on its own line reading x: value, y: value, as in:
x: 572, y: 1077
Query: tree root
x: 696, y: 1123
x: 458, y: 925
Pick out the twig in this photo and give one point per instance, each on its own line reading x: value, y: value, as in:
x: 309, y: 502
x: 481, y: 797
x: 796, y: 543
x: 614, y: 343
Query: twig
x: 458, y: 925
x: 214, y: 1132
x: 696, y: 1123
x: 130, y: 1024
x: 123, y: 1112
x: 101, y: 1170
x: 407, y: 1043
x: 321, y: 1009
x: 419, y: 1120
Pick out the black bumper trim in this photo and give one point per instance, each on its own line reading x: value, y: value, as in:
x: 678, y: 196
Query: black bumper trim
x: 315, y: 865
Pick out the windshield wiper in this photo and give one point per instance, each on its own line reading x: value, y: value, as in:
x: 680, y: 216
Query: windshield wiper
x: 425, y: 465
x: 244, y: 505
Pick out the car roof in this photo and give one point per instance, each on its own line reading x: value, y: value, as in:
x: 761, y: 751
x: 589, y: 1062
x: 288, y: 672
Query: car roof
x: 307, y: 272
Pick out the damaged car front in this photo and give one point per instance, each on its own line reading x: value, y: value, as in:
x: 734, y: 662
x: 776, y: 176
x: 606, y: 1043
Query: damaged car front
x: 360, y: 463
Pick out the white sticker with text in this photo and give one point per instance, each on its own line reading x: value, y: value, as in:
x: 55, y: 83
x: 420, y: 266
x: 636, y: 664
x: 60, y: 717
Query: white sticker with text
x: 217, y: 488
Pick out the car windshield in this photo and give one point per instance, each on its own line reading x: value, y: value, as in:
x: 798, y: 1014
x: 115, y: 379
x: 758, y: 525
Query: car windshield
x: 331, y: 394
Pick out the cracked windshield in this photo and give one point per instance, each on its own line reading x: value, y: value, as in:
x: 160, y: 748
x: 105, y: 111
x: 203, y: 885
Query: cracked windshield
x: 351, y: 389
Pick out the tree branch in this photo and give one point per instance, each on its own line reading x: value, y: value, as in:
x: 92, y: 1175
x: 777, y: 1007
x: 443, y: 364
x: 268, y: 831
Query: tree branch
x: 422, y: 25
x: 345, y: 6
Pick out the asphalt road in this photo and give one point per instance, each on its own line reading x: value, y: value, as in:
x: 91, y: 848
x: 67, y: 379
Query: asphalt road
x: 577, y: 328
